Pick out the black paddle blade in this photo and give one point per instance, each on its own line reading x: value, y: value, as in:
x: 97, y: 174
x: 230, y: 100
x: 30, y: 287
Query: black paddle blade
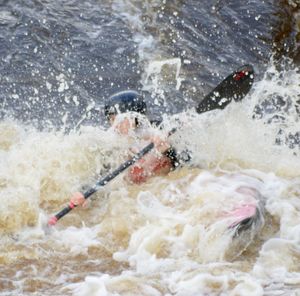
x: 235, y: 86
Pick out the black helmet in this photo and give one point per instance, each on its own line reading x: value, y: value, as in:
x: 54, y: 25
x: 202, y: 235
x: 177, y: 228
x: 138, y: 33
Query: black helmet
x: 123, y: 102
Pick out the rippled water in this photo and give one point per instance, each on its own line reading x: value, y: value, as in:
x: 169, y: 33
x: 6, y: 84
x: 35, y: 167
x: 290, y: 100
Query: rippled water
x: 170, y: 236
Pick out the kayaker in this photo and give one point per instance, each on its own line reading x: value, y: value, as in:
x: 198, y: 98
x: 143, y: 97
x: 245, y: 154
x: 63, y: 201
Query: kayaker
x: 126, y: 113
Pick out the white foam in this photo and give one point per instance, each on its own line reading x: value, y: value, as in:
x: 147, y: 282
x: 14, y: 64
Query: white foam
x: 169, y: 235
x: 77, y: 240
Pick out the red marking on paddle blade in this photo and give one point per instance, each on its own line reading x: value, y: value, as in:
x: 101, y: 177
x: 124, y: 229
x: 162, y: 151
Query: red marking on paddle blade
x: 238, y: 76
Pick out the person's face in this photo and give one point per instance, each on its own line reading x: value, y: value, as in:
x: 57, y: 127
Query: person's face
x: 122, y: 124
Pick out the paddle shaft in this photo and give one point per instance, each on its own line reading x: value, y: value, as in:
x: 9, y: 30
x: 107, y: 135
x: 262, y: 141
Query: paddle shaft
x: 118, y: 171
x: 102, y: 182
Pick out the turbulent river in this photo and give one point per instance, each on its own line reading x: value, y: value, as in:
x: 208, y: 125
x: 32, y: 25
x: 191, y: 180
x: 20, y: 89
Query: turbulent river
x: 60, y: 60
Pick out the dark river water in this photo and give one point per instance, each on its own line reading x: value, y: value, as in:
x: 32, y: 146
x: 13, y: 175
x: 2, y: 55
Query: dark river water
x: 61, y: 59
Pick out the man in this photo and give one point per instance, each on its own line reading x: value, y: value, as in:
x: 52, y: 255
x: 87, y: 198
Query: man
x: 126, y: 113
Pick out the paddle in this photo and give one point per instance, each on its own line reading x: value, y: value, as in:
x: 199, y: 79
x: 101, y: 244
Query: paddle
x: 102, y: 182
x: 235, y: 86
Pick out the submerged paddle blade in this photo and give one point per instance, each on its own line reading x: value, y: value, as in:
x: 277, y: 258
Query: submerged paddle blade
x: 248, y: 222
x: 252, y: 223
x: 236, y: 86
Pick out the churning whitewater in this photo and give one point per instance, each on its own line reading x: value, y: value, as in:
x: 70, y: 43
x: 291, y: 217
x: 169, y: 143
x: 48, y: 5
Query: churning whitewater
x: 173, y: 235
